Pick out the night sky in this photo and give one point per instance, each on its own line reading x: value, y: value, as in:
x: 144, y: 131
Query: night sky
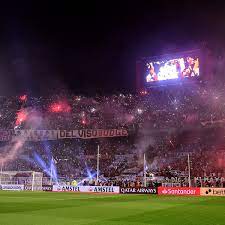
x: 93, y: 47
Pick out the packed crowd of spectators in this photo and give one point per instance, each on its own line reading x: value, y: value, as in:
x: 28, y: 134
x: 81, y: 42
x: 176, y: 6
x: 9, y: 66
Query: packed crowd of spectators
x: 172, y: 122
x: 165, y: 107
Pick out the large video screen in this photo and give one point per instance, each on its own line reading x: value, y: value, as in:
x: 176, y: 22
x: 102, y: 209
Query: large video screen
x: 169, y: 69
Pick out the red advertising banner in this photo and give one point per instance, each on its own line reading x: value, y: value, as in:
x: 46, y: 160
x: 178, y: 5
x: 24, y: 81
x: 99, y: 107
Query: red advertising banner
x: 178, y: 191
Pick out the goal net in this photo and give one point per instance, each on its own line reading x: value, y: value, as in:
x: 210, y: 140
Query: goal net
x: 31, y: 180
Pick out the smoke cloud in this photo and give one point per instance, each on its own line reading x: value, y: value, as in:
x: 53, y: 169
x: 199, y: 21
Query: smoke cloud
x: 145, y: 143
x: 11, y: 150
x: 15, y: 147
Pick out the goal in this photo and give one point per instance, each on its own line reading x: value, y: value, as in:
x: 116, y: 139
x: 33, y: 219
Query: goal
x: 31, y: 180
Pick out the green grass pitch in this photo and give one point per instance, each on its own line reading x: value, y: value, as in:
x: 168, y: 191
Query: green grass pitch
x: 43, y: 208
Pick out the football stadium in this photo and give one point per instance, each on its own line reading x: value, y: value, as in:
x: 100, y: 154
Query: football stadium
x: 153, y: 154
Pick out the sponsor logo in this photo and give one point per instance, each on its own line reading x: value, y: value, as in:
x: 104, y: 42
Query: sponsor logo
x: 178, y: 191
x: 43, y: 188
x: 104, y: 189
x: 100, y: 189
x: 71, y: 188
x: 27, y: 188
x: 138, y: 190
x: 12, y: 187
x: 47, y: 188
x: 66, y: 188
x: 213, y: 191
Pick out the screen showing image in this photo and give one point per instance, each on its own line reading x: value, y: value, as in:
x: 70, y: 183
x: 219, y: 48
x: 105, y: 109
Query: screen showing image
x: 177, y: 68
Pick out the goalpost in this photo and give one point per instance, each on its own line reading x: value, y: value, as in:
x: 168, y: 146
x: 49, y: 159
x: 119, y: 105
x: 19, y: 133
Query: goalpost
x: 36, y: 184
x: 31, y: 180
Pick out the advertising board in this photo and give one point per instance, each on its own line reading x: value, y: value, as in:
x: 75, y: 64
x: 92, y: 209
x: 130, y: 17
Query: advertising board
x: 87, y: 189
x: 142, y: 190
x: 41, y: 188
x: 12, y: 187
x: 212, y: 191
x: 178, y: 191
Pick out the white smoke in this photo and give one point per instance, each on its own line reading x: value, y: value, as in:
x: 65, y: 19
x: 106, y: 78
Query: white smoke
x: 15, y: 147
x: 11, y: 150
x: 144, y: 142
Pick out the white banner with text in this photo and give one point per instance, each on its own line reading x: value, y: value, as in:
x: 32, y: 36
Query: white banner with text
x: 11, y: 187
x: 41, y: 135
x: 87, y: 189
